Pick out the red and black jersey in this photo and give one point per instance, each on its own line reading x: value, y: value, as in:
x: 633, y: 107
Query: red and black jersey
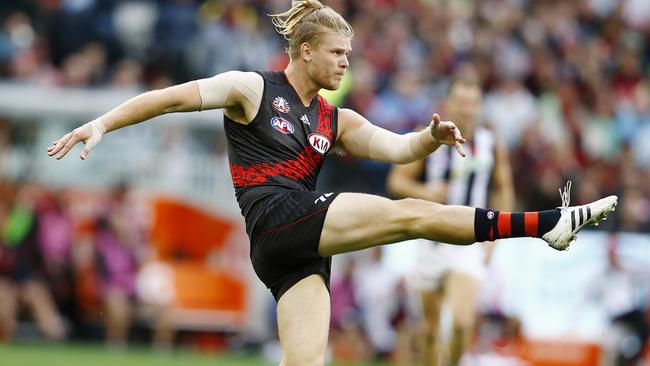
x: 282, y: 148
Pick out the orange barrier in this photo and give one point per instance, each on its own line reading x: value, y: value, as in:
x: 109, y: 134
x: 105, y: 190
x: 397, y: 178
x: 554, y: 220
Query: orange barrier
x: 553, y: 353
x: 184, y: 237
x: 183, y: 231
x: 200, y: 287
x: 557, y: 353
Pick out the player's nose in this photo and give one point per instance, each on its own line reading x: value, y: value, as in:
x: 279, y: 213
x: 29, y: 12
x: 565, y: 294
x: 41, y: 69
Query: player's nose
x: 344, y: 63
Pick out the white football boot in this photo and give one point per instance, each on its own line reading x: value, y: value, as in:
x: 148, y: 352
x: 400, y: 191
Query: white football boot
x: 572, y: 219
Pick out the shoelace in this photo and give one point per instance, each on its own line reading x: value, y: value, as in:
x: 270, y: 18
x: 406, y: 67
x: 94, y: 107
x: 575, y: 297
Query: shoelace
x: 566, y: 195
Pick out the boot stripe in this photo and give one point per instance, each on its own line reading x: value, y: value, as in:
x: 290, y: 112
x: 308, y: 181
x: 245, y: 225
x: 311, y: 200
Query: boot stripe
x: 580, y: 212
x: 588, y: 212
x: 573, y: 220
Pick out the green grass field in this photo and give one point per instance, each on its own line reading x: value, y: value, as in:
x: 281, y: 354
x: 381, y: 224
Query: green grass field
x: 86, y: 355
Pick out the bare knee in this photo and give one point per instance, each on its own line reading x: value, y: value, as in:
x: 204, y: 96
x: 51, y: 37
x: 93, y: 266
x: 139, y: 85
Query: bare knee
x: 415, y: 216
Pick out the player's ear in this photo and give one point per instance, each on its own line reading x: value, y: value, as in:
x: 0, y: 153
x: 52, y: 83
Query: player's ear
x: 305, y: 52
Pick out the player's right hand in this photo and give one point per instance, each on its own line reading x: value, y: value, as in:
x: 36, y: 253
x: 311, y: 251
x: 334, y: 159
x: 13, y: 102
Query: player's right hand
x: 90, y: 134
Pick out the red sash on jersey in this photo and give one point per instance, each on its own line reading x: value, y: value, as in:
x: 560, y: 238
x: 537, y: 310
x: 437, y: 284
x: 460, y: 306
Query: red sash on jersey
x: 307, y: 162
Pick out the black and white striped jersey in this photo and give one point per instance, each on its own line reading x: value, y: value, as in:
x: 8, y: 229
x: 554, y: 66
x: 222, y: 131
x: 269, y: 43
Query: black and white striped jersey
x: 468, y: 178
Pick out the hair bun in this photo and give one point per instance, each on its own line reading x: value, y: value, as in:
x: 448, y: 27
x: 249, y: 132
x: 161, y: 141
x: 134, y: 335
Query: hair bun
x: 314, y: 4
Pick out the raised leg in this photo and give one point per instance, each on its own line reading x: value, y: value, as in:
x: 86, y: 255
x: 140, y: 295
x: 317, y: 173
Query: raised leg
x: 357, y: 221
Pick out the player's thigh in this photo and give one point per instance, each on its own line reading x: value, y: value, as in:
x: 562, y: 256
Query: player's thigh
x: 303, y: 322
x: 462, y: 292
x: 357, y: 221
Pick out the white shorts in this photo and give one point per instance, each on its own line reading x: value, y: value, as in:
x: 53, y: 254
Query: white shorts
x: 434, y: 260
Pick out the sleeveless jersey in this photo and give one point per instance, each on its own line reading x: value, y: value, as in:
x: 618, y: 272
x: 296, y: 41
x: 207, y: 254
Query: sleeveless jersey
x: 282, y: 148
x: 468, y: 179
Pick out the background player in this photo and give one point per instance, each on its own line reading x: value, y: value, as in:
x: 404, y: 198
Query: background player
x: 276, y: 153
x: 445, y: 273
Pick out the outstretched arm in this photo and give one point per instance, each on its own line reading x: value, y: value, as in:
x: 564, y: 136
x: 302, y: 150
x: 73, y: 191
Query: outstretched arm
x: 231, y: 90
x: 362, y: 139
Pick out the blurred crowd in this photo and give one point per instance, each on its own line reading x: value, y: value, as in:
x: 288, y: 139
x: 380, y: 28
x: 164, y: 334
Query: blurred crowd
x: 69, y: 263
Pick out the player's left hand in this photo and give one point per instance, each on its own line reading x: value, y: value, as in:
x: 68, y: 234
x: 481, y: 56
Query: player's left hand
x: 447, y: 133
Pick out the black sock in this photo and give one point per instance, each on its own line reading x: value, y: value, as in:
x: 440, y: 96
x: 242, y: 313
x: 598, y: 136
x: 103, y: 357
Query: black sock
x: 492, y: 225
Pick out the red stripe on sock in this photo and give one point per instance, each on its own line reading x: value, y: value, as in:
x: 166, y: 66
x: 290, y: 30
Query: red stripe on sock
x: 503, y: 225
x: 491, y: 233
x: 531, y: 223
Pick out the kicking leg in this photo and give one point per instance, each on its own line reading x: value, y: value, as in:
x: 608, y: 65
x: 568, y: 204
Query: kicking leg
x: 357, y: 221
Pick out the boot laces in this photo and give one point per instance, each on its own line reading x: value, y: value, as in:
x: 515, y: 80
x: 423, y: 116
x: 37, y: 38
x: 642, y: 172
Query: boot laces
x: 566, y: 195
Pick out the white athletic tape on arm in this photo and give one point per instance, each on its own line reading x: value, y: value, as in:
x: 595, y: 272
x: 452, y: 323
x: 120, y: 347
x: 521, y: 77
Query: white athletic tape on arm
x: 215, y: 91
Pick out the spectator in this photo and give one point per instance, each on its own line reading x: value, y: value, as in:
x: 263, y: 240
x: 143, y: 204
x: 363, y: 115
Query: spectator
x: 120, y: 250
x: 347, y: 338
x: 28, y: 271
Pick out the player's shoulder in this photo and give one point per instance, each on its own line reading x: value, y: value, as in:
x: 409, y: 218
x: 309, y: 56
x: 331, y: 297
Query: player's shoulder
x: 349, y: 117
x: 275, y: 77
x: 250, y: 76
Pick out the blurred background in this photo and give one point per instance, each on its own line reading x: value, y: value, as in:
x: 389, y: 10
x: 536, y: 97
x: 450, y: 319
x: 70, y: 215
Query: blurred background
x: 140, y: 255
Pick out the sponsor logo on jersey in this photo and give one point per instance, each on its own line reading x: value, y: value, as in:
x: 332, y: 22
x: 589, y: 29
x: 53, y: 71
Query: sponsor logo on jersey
x: 305, y: 120
x: 282, y: 125
x: 319, y: 142
x: 281, y: 105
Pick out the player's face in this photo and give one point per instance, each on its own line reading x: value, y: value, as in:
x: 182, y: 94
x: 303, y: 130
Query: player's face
x: 329, y: 60
x: 464, y: 103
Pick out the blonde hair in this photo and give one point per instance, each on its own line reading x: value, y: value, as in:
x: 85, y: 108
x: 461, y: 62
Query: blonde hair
x: 307, y: 21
